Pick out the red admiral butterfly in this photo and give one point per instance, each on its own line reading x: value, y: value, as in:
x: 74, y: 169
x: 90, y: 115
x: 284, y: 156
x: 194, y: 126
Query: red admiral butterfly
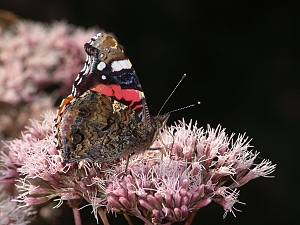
x: 106, y: 116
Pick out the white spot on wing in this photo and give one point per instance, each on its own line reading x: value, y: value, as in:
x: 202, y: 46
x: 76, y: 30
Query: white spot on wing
x: 126, y: 64
x: 116, y: 66
x: 120, y: 64
x: 101, y: 66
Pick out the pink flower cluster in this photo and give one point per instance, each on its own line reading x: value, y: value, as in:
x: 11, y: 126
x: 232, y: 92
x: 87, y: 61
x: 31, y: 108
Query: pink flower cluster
x: 36, y: 59
x: 34, y: 56
x: 194, y: 167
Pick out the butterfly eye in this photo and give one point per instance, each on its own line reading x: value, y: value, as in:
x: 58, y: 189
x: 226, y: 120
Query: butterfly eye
x: 84, y: 113
x: 76, y: 138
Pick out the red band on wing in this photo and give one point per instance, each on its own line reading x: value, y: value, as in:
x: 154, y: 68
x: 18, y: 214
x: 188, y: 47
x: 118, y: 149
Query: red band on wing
x: 129, y: 95
x: 103, y: 89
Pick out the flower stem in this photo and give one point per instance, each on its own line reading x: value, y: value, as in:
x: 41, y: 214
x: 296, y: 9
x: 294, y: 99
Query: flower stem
x: 76, y: 215
x: 73, y: 203
x: 102, y: 214
x: 190, y: 217
x: 128, y: 219
x: 144, y: 219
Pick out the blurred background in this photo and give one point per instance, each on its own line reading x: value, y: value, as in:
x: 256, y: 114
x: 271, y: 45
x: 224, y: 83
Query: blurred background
x: 242, y: 60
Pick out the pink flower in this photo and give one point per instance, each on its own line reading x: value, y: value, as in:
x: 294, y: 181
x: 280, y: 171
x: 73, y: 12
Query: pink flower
x: 37, y: 58
x: 199, y: 166
x: 34, y: 56
x: 193, y: 168
x: 13, y: 214
x: 36, y: 159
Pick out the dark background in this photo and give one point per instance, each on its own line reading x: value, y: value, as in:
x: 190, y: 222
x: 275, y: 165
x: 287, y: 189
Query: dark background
x: 242, y: 59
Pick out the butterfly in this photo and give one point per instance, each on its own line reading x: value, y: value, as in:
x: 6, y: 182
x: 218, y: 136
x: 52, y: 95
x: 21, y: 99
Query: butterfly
x: 106, y: 115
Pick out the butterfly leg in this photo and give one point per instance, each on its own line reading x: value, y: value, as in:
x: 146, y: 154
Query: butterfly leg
x: 127, y: 162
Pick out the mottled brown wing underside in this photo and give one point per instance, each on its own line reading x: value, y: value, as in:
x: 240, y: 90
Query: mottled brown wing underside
x: 95, y: 127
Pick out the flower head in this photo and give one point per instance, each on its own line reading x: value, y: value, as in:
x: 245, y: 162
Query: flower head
x: 199, y: 166
x: 192, y: 168
x: 36, y: 58
x: 35, y: 163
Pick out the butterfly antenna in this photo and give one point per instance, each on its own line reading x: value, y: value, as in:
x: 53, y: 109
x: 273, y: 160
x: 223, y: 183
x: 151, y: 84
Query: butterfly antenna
x: 192, y: 105
x: 184, y: 75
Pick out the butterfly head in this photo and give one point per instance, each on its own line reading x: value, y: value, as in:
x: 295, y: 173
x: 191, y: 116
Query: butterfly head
x: 158, y: 122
